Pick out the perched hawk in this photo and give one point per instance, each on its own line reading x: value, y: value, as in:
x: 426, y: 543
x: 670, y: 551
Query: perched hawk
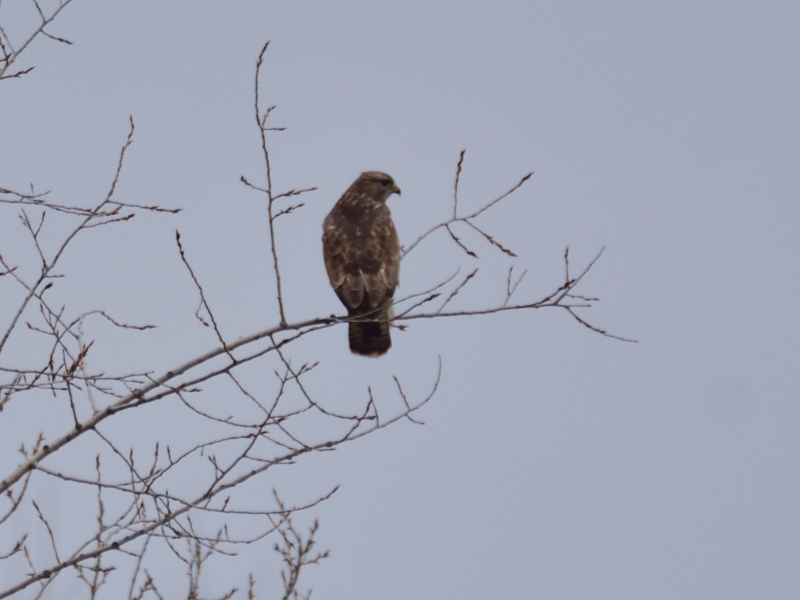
x: 362, y: 257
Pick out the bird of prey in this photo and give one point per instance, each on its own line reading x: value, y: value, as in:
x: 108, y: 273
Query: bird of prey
x: 362, y: 257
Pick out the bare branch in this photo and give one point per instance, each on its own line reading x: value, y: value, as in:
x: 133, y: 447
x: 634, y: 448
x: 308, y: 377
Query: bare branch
x: 203, y: 301
x: 261, y: 120
x: 468, y: 218
x: 457, y: 289
x: 186, y: 495
x: 455, y: 186
x: 9, y: 54
x: 511, y: 288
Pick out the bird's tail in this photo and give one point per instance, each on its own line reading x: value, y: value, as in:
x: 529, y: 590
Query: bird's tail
x: 371, y: 338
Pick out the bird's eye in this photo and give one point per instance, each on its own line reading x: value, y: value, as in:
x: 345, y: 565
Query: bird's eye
x: 385, y: 182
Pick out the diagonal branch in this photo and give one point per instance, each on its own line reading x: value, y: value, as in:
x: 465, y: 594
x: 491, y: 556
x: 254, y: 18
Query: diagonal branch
x: 10, y: 54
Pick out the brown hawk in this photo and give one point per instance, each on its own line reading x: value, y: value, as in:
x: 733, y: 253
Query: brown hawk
x: 362, y: 257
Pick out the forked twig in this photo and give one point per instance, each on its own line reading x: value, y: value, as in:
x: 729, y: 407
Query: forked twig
x: 203, y: 301
x: 468, y: 219
x: 9, y: 54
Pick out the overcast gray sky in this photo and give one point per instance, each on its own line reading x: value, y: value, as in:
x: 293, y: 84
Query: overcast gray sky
x: 554, y: 463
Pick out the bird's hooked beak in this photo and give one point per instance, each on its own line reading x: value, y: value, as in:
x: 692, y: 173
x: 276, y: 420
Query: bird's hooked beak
x: 395, y: 189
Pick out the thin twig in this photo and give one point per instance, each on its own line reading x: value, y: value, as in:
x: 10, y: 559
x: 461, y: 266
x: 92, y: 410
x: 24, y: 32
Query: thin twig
x: 261, y: 120
x: 10, y: 57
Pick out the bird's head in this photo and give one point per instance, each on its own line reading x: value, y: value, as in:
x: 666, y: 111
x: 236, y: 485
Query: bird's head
x: 378, y: 185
